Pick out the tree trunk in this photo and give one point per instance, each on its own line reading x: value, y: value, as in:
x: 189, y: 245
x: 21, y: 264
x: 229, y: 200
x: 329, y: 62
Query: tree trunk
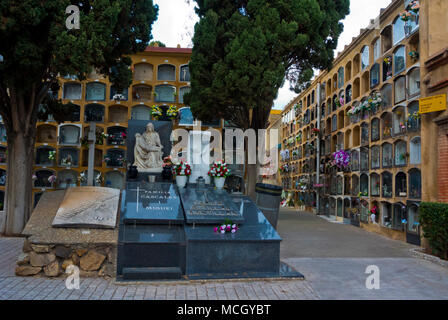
x: 252, y: 179
x: 19, y: 183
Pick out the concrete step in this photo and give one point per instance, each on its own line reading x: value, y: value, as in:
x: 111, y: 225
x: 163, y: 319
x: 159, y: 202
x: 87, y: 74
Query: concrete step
x: 162, y: 273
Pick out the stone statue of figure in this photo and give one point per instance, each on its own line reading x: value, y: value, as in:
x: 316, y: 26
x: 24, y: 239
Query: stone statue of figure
x: 148, y: 151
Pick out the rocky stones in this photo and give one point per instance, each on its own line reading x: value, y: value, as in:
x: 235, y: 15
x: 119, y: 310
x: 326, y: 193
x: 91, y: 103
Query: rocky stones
x: 52, y: 260
x: 23, y: 259
x: 107, y: 270
x: 52, y: 270
x: 81, y: 252
x: 75, y: 258
x: 92, y: 261
x: 67, y: 263
x: 41, y: 260
x: 40, y: 248
x: 62, y: 252
x: 26, y: 271
x: 27, y: 246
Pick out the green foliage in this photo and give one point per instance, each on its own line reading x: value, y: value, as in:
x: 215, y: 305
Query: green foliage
x: 434, y: 222
x: 37, y: 47
x: 160, y: 43
x: 243, y: 50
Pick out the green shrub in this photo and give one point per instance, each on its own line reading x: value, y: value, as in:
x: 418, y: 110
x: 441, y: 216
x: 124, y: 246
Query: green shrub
x: 434, y: 222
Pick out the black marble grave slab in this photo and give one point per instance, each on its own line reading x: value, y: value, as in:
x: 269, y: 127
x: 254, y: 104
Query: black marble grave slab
x: 254, y: 250
x: 150, y: 246
x: 209, y: 206
x: 152, y: 203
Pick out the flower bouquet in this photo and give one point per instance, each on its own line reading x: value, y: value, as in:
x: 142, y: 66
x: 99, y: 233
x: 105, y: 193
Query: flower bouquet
x: 156, y: 112
x: 227, y: 226
x: 172, y: 112
x: 219, y: 171
x: 182, y: 171
x: 51, y: 155
x: 341, y: 159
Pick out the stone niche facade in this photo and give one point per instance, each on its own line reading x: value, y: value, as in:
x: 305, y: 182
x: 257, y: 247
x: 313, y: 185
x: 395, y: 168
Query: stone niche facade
x: 52, y: 260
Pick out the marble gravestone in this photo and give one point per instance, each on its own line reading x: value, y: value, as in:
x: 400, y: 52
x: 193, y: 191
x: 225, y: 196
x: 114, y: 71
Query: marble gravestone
x: 152, y: 203
x: 88, y: 207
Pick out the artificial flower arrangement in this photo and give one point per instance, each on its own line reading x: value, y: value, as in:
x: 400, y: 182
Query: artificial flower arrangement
x: 341, y: 159
x: 284, y: 168
x: 290, y: 141
x: 363, y: 194
x: 100, y: 136
x: 167, y: 162
x: 99, y: 179
x: 82, y: 178
x: 51, y: 155
x: 156, y: 112
x: 414, y: 55
x: 299, y: 137
x: 219, y: 169
x: 52, y: 178
x: 337, y: 102
x: 373, y: 102
x: 406, y: 16
x: 182, y: 169
x: 416, y: 115
x: 315, y: 131
x: 342, y: 100
x: 226, y: 227
x: 172, y: 112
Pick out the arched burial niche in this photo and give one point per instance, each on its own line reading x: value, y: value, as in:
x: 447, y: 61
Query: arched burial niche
x: 69, y: 134
x: 141, y: 113
x: 118, y: 114
x: 94, y: 113
x: 43, y: 156
x: 42, y: 179
x: 67, y: 179
x: 166, y: 72
x: 46, y: 133
x: 143, y: 72
x: 116, y: 135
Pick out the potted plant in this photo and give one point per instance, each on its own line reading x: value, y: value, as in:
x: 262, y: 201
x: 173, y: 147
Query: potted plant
x: 182, y: 171
x: 219, y: 172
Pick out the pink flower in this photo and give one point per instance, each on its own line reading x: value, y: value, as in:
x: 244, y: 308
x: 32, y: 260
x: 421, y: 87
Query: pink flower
x: 216, y: 229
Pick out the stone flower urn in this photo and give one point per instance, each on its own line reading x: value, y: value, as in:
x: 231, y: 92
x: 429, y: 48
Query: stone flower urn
x: 181, y: 181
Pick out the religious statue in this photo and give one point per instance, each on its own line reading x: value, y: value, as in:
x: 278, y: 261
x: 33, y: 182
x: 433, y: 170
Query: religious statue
x: 148, y: 151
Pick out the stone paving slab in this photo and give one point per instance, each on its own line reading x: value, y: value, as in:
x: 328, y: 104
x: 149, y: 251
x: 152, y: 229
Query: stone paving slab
x: 400, y: 278
x: 20, y: 288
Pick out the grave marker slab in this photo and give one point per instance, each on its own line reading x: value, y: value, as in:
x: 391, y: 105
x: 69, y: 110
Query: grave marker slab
x: 88, y: 207
x: 152, y: 203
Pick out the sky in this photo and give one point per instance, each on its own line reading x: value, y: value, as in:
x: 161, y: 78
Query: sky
x: 176, y: 21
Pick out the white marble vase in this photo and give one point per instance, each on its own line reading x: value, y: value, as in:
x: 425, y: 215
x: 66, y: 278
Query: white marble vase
x: 181, y: 181
x: 219, y: 182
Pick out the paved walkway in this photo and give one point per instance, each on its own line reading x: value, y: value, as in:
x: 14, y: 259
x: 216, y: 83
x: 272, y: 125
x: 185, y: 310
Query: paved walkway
x: 333, y: 257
